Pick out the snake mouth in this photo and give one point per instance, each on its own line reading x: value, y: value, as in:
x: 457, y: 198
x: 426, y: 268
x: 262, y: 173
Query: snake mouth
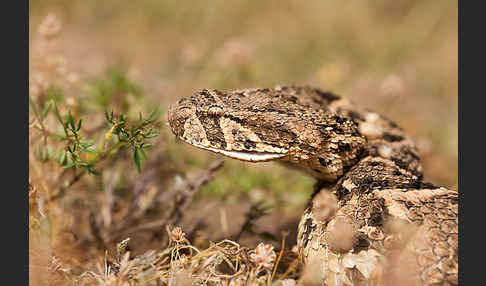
x: 248, y: 156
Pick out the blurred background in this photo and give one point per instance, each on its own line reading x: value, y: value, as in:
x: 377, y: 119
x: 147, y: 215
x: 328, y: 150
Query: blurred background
x: 399, y: 58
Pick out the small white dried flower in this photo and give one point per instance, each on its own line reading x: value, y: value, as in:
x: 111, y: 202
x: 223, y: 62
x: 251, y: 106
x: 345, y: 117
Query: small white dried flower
x: 182, y: 277
x: 57, y: 64
x: 38, y: 84
x: 341, y: 235
x: 234, y: 52
x: 313, y: 272
x: 238, y: 281
x: 121, y: 247
x: 325, y: 205
x: 178, y: 235
x: 264, y: 256
x: 392, y: 85
x: 71, y: 101
x: 288, y: 282
x: 72, y: 77
x: 34, y: 90
x: 50, y: 26
x: 365, y: 262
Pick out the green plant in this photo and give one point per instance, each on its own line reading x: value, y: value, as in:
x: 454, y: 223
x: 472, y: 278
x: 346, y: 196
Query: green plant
x: 84, y: 149
x: 136, y: 135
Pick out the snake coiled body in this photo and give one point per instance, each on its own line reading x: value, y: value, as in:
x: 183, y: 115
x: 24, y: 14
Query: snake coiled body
x: 372, y: 220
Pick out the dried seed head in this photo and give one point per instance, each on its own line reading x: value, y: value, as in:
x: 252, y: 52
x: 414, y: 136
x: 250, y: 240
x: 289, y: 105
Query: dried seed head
x: 72, y: 77
x: 288, y: 282
x: 234, y: 52
x: 38, y: 84
x: 341, y: 235
x: 392, y: 85
x: 121, y: 247
x: 50, y: 26
x: 313, y: 272
x: 238, y: 281
x: 182, y: 277
x: 264, y: 256
x: 324, y: 205
x: 178, y: 235
x: 57, y: 64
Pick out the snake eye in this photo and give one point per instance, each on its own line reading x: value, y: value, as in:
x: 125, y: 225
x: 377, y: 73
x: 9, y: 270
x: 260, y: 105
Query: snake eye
x: 215, y: 111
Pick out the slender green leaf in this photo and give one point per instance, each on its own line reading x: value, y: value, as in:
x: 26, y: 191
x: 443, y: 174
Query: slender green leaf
x: 34, y: 107
x: 79, y: 124
x: 69, y: 163
x: 42, y: 153
x: 136, y: 159
x: 55, y: 94
x: 86, y: 146
x: 152, y: 135
x: 143, y: 154
x: 47, y: 109
x: 71, y: 120
x: 61, y: 158
x: 92, y: 171
x: 146, y: 145
x: 58, y: 115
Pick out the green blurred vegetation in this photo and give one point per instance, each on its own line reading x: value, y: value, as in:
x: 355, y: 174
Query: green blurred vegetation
x: 278, y: 185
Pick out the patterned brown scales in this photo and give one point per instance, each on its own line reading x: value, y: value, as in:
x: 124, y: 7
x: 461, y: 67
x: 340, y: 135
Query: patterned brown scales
x: 371, y: 220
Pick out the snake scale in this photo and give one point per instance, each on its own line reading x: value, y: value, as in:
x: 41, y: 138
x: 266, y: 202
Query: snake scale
x: 372, y: 219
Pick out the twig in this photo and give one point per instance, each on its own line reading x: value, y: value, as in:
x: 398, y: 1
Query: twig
x: 139, y: 188
x: 193, y: 187
x: 256, y: 211
x: 177, y: 212
x: 63, y: 189
x: 284, y: 235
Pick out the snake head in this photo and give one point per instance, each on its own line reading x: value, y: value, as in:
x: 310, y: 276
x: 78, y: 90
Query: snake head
x: 212, y: 120
x: 293, y: 125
